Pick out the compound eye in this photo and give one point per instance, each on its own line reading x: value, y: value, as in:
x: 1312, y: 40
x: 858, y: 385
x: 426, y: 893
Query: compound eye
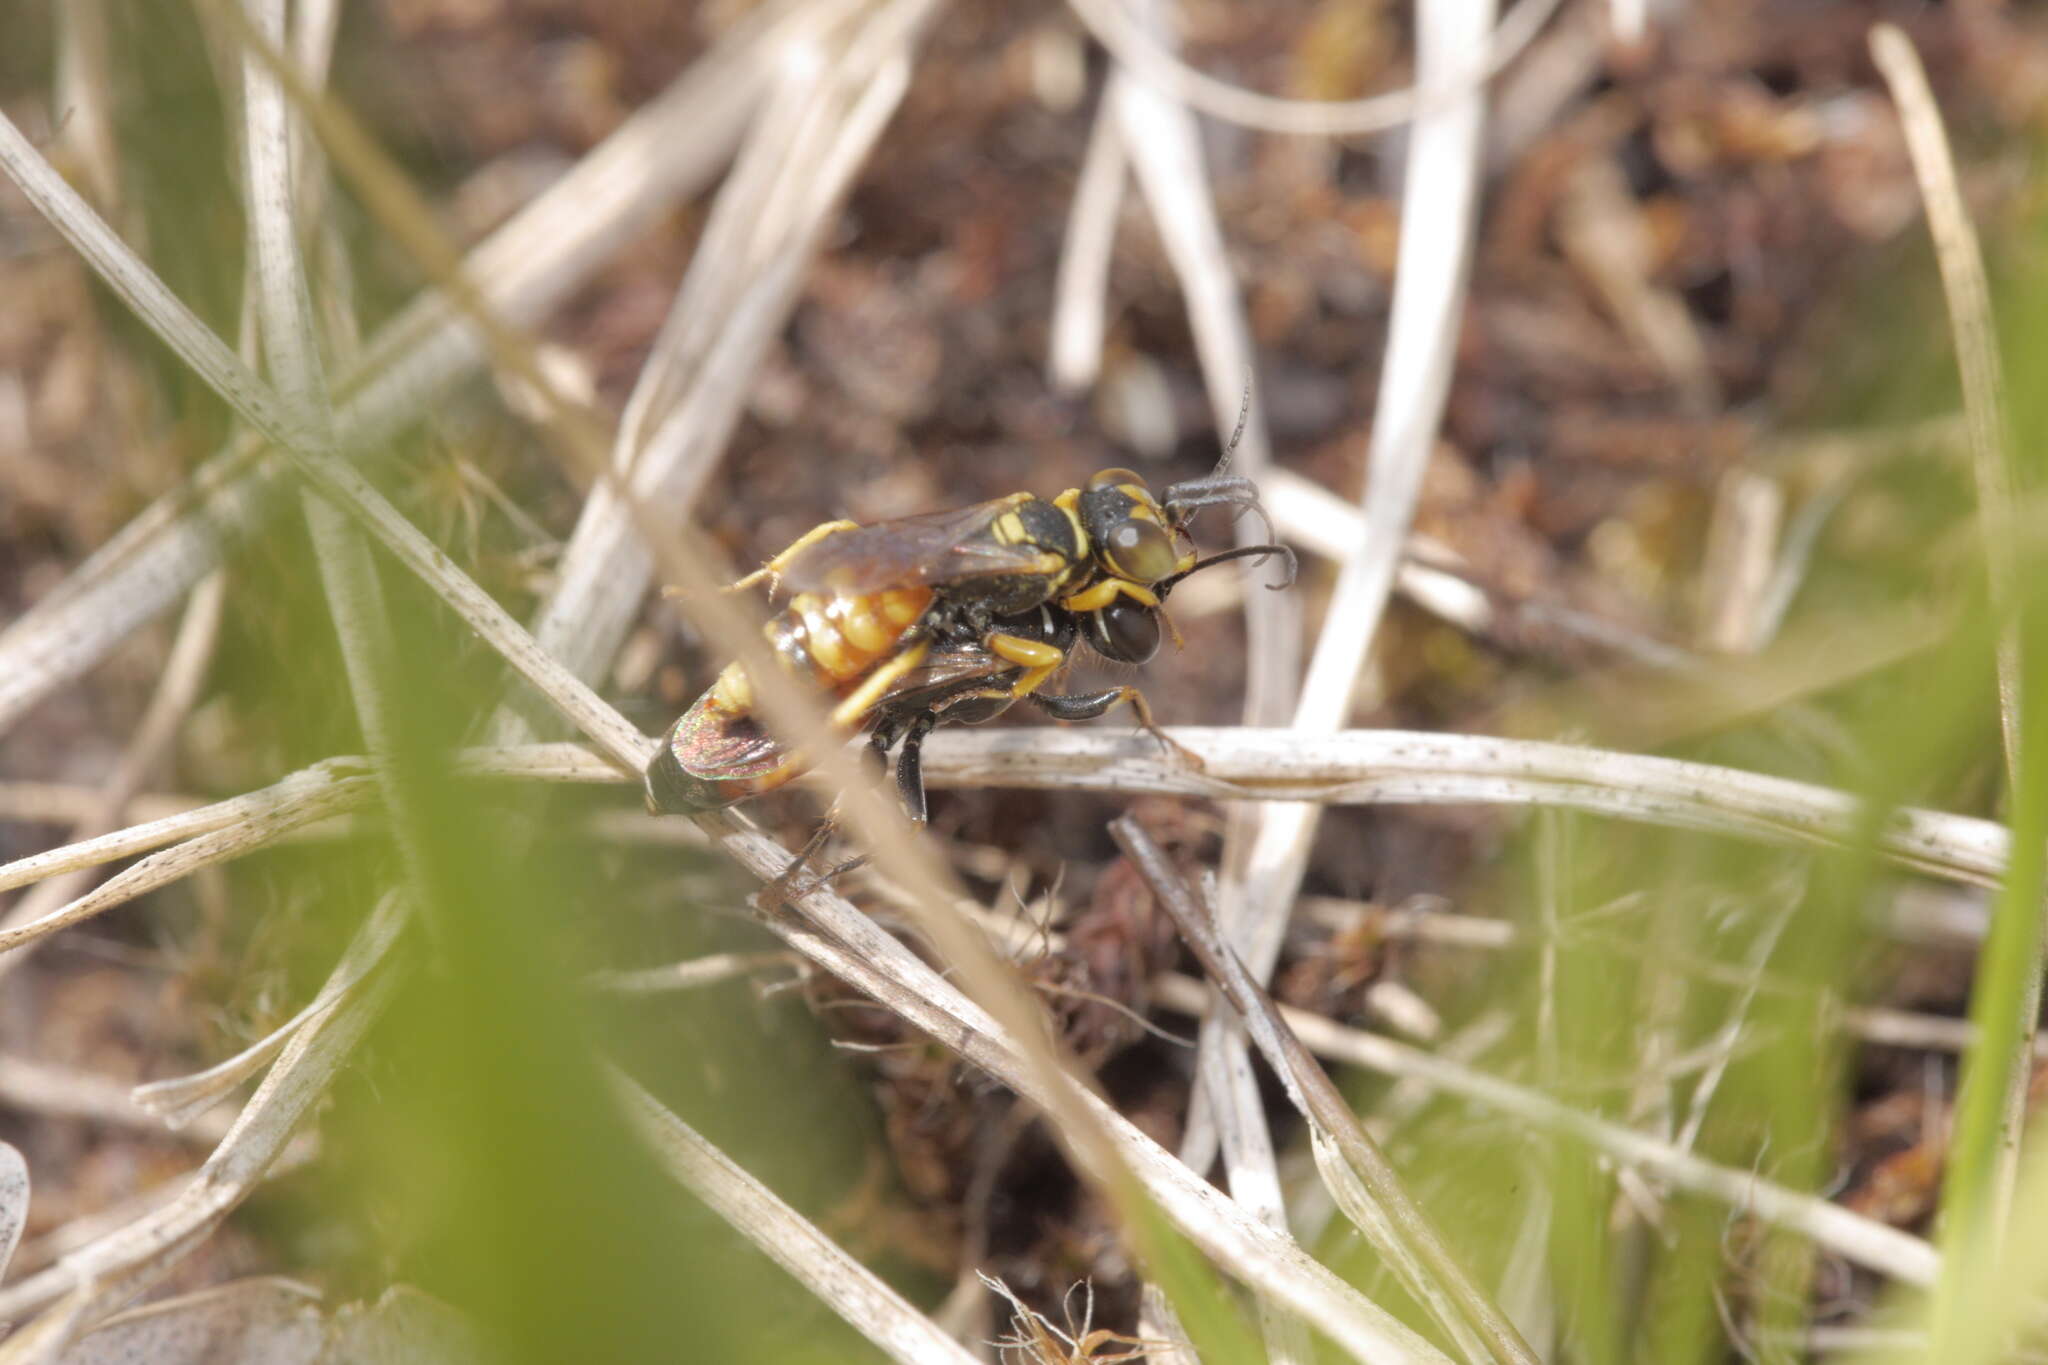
x: 1114, y: 478
x: 1124, y: 630
x: 1139, y: 551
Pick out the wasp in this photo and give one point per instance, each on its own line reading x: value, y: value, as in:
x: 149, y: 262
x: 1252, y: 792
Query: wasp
x: 951, y: 617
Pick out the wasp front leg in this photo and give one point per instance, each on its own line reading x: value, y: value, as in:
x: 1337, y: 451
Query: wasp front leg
x: 1038, y: 659
x: 1089, y: 705
x: 773, y: 569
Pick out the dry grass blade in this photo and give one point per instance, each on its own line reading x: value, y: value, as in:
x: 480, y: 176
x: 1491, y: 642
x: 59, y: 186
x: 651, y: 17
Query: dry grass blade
x: 1380, y: 1205
x: 732, y: 303
x: 141, y: 289
x: 13, y: 1202
x: 1439, y: 197
x: 1373, y: 767
x: 252, y: 831
x: 250, y: 397
x: 274, y: 1321
x: 327, y: 788
x: 1970, y: 318
x: 178, y: 688
x: 853, y: 1291
x: 1163, y: 148
x: 697, y: 972
x: 1114, y: 27
x: 1081, y: 289
x: 284, y: 314
x: 102, y: 1275
x: 850, y: 945
x: 1157, y: 138
x: 1850, y: 1235
x: 1355, y: 767
x: 34, y: 1087
x: 1977, y: 1196
x: 180, y: 1100
x: 664, y: 151
x: 1263, y: 870
x: 1432, y: 576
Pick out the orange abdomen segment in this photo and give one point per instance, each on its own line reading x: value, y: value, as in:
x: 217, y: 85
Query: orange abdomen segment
x: 719, y: 753
x: 837, y: 638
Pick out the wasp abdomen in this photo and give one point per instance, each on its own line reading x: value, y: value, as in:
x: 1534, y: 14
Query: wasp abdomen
x: 836, y: 637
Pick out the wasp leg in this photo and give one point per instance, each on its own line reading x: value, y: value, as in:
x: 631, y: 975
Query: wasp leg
x: 883, y: 739
x: 1089, y: 705
x: 789, y: 883
x: 910, y: 765
x: 1103, y: 591
x: 1038, y: 659
x: 857, y: 703
x: 774, y: 567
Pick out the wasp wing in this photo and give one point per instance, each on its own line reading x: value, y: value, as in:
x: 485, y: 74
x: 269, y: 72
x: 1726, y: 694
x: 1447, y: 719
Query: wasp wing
x: 925, y: 551
x: 943, y: 676
x: 713, y: 745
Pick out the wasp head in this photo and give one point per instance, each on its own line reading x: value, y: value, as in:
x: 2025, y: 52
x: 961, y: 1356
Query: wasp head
x: 1137, y: 537
x: 1130, y: 535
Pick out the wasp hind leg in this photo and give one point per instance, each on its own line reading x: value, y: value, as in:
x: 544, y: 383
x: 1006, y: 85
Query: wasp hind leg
x: 772, y: 570
x: 1089, y: 705
x: 796, y: 881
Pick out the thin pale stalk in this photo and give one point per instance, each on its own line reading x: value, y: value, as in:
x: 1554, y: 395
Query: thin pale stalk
x: 851, y: 946
x: 176, y: 691
x: 340, y: 784
x: 13, y: 1201
x: 1080, y: 296
x: 184, y: 1098
x: 1395, y: 767
x: 1357, y: 767
x: 691, y: 393
x: 253, y: 831
x: 1116, y: 29
x: 2005, y: 1001
x: 1438, y: 212
x: 284, y: 310
x: 1388, y: 1216
x: 1856, y: 1238
x: 663, y: 152
x: 846, y: 1286
x: 33, y: 1087
x: 104, y: 1274
x: 1156, y: 137
x: 250, y: 397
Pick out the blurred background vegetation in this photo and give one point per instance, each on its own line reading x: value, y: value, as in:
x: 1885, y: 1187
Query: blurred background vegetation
x: 1732, y: 438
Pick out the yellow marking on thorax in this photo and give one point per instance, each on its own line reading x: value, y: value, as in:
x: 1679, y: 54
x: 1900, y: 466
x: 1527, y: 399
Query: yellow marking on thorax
x: 1068, y: 502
